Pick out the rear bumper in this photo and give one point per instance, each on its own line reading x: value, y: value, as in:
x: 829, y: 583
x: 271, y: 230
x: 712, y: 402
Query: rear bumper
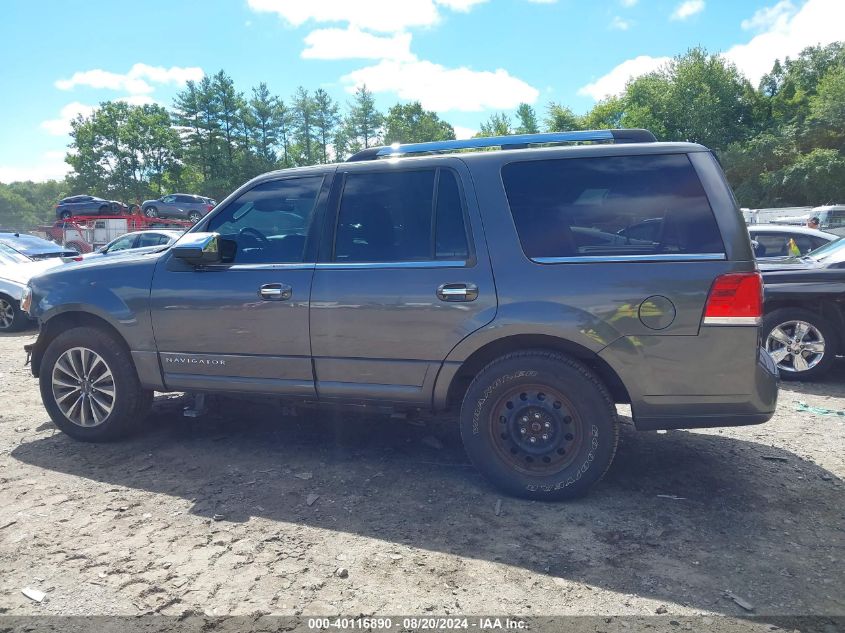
x: 692, y: 412
x: 710, y: 380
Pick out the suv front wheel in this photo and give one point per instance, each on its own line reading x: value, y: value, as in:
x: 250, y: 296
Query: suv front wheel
x: 89, y: 386
x: 539, y: 425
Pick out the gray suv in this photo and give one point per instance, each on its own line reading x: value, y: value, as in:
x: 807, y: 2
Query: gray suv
x: 183, y: 206
x: 498, y: 284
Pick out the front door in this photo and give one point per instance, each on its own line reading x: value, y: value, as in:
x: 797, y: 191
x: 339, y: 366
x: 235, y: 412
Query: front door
x: 402, y: 279
x: 242, y: 325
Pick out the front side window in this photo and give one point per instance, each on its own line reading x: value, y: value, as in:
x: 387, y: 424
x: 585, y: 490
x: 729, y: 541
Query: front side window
x: 610, y: 206
x: 122, y: 244
x: 269, y: 223
x: 401, y: 216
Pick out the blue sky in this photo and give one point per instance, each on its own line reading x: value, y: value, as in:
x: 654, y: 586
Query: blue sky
x: 462, y: 58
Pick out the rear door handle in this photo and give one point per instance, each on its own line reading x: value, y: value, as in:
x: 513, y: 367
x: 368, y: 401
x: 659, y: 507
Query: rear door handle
x: 275, y: 292
x: 457, y: 292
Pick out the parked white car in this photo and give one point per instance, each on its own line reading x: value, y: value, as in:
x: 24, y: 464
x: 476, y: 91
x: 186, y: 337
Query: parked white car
x: 773, y: 240
x: 15, y: 272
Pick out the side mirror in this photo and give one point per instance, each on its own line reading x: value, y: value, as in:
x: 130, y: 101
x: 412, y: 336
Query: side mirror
x: 198, y: 249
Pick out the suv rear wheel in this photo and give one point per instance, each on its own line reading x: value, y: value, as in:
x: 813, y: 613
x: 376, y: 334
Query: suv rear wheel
x: 89, y: 386
x: 802, y: 343
x: 195, y: 216
x: 539, y: 425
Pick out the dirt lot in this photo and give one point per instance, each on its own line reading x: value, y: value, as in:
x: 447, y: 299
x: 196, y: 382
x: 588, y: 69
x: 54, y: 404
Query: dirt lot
x: 251, y: 511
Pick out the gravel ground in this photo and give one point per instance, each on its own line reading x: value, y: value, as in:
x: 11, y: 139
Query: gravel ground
x: 255, y: 510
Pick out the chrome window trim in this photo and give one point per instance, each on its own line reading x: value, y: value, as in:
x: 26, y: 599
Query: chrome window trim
x: 737, y: 320
x: 262, y: 266
x: 436, y: 263
x: 659, y: 257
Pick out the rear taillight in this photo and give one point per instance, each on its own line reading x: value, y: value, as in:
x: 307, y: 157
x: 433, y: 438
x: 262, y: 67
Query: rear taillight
x: 735, y: 299
x: 209, y: 207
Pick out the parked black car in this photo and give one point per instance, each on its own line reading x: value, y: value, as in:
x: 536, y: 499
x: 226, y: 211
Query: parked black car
x: 494, y: 283
x: 804, y: 323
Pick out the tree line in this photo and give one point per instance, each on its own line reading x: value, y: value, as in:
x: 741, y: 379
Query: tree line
x: 781, y: 143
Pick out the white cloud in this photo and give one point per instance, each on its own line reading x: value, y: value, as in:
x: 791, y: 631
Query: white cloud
x: 352, y: 43
x: 462, y: 132
x: 817, y: 22
x: 136, y: 81
x: 687, y: 9
x: 52, y: 166
x: 767, y: 17
x: 61, y: 125
x: 614, y: 82
x: 618, y: 24
x: 376, y: 15
x: 629, y: 3
x: 442, y: 89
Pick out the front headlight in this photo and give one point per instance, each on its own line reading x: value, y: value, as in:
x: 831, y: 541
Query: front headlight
x: 26, y: 300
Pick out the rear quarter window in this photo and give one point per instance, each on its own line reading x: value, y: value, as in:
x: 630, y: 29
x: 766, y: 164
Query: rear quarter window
x: 641, y: 206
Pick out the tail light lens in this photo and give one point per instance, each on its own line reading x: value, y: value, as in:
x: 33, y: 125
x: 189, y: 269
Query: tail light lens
x: 735, y: 299
x: 209, y: 207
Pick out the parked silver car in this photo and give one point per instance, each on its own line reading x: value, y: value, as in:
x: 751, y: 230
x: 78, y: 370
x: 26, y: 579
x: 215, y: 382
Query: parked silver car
x: 16, y: 270
x: 183, y: 206
x: 136, y: 242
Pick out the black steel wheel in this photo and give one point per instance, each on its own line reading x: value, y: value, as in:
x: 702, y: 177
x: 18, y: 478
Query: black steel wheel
x: 539, y: 425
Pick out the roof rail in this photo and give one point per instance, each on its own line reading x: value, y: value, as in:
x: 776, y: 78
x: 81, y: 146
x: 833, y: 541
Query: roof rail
x: 514, y: 141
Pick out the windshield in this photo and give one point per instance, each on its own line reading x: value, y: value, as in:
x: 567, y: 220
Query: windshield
x: 832, y: 252
x: 24, y: 242
x: 9, y: 255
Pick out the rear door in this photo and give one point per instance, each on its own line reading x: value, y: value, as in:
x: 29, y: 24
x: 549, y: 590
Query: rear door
x: 242, y: 325
x: 403, y: 276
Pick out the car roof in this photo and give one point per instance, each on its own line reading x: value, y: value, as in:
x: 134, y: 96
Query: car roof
x: 786, y: 228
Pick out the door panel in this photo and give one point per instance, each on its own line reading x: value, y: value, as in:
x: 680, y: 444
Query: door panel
x: 243, y: 325
x: 379, y: 331
x: 214, y: 331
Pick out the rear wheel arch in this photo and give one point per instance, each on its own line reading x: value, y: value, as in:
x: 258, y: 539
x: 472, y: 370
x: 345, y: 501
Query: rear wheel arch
x: 64, y: 321
x: 489, y: 352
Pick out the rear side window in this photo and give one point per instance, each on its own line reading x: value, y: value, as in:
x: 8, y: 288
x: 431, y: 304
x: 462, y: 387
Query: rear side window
x: 401, y: 216
x: 611, y: 206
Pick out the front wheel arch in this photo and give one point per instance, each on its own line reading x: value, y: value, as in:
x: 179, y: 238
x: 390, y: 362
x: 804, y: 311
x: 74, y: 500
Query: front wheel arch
x: 63, y: 321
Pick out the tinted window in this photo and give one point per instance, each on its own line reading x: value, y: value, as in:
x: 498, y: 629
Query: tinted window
x: 619, y: 205
x: 449, y: 229
x: 152, y: 239
x: 395, y: 216
x: 269, y: 223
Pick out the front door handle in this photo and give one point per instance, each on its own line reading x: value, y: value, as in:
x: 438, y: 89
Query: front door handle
x: 457, y: 292
x: 275, y: 292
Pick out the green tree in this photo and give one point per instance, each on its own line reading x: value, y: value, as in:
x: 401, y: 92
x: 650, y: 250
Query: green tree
x: 410, y: 123
x: 499, y: 124
x: 560, y: 118
x: 527, y: 118
x: 304, y: 130
x: 695, y: 97
x: 263, y: 125
x: 326, y: 121
x: 364, y: 122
